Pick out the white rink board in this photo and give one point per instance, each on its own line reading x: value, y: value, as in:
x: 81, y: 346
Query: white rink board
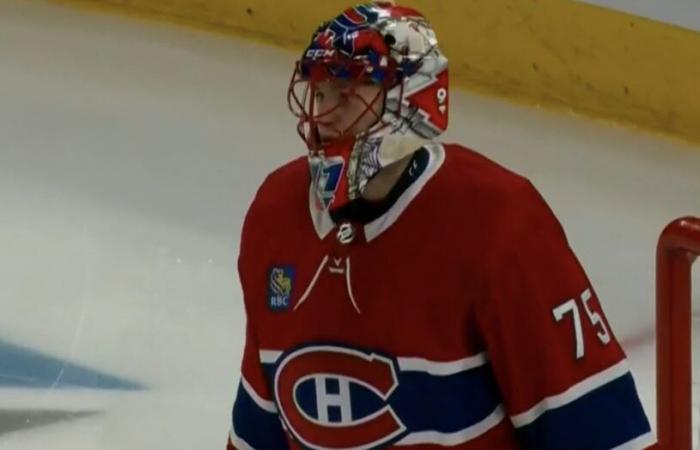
x: 682, y: 13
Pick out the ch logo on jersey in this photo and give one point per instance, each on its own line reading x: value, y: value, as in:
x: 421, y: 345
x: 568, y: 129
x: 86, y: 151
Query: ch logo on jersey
x: 337, y: 398
x: 325, y: 178
x: 280, y: 288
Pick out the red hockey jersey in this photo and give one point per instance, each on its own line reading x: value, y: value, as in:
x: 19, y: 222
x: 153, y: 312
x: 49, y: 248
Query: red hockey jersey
x: 459, y: 318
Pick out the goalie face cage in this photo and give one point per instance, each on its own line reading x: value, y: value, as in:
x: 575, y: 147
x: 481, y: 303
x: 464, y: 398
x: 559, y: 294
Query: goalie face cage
x: 678, y: 247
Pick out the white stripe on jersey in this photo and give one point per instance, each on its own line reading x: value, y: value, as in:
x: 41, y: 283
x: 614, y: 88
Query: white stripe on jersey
x: 265, y: 405
x: 458, y: 437
x: 269, y: 356
x: 573, y: 393
x: 442, y: 368
x: 237, y: 442
x: 406, y: 364
x: 638, y: 443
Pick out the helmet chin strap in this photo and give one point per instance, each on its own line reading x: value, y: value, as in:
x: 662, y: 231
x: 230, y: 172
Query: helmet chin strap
x: 341, y: 171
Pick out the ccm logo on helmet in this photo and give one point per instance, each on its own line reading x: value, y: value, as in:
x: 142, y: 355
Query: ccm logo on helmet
x: 319, y: 53
x: 337, y: 398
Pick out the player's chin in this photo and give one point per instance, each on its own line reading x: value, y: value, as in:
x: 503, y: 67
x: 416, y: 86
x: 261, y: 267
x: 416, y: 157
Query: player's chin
x: 328, y: 135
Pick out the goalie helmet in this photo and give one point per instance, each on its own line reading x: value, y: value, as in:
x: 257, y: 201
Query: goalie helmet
x: 391, y: 47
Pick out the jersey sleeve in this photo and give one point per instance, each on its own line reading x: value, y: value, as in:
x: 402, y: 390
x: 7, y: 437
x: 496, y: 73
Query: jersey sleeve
x: 256, y: 423
x: 563, y: 376
x: 255, y: 419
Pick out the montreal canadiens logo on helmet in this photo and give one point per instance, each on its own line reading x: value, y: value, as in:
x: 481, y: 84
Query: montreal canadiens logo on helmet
x: 337, y: 398
x: 342, y: 33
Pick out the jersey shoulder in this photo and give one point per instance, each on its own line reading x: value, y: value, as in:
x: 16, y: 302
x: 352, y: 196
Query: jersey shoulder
x: 492, y: 199
x: 285, y: 184
x: 280, y: 199
x: 475, y: 179
x: 471, y: 168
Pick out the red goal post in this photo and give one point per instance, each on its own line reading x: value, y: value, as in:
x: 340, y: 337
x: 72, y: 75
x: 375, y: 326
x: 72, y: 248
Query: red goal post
x: 678, y: 247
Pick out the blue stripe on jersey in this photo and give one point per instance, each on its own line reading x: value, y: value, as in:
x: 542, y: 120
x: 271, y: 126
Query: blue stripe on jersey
x: 445, y: 404
x: 259, y: 428
x: 423, y: 402
x: 609, y: 416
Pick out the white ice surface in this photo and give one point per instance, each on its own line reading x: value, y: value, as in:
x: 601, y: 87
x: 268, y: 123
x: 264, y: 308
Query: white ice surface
x: 129, y: 152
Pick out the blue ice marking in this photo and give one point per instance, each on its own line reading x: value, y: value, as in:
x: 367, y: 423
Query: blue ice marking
x: 23, y: 367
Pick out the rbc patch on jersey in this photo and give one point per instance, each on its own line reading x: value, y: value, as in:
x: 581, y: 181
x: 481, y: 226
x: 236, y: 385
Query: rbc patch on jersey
x: 279, y: 291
